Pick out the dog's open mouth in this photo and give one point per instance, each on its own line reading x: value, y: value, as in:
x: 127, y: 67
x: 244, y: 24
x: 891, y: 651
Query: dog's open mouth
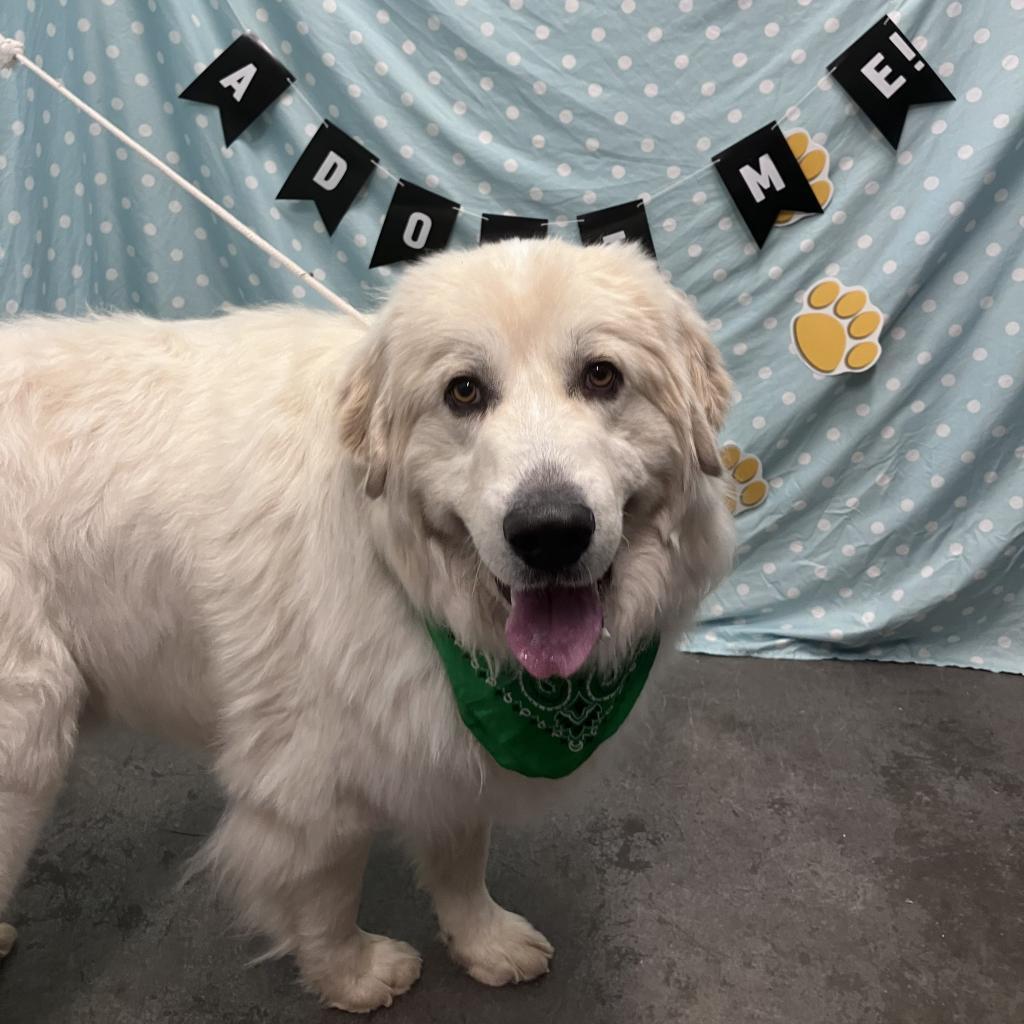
x: 552, y: 630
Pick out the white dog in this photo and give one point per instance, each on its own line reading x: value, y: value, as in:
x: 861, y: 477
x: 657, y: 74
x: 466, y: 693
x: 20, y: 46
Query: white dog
x: 234, y: 530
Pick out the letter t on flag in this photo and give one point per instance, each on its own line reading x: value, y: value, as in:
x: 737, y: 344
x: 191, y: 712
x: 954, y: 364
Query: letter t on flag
x: 242, y: 82
x: 331, y: 171
x: 764, y: 178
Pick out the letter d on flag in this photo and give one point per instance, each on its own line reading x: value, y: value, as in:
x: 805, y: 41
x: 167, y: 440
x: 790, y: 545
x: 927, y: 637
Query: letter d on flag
x: 330, y: 172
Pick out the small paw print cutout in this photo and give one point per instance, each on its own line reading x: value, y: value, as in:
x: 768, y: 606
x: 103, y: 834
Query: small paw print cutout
x: 748, y: 488
x: 837, y: 329
x: 814, y: 162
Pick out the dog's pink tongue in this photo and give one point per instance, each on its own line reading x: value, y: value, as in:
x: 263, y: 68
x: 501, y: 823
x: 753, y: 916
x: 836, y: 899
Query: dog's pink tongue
x: 552, y: 630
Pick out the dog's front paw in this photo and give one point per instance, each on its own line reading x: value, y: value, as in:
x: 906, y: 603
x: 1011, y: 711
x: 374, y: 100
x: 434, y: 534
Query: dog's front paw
x: 368, y: 974
x: 501, y: 949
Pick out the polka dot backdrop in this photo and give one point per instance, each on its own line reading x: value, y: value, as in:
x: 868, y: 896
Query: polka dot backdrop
x: 876, y: 349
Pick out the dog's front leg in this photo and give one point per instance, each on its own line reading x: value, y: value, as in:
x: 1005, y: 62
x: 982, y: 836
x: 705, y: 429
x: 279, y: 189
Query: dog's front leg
x: 496, y: 946
x: 301, y: 886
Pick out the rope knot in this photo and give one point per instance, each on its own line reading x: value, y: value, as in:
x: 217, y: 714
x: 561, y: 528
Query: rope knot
x: 10, y: 50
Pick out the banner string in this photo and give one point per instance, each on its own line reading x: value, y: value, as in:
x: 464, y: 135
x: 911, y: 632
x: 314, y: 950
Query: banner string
x: 474, y: 214
x: 12, y: 50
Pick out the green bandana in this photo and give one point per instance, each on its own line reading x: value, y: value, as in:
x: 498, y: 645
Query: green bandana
x: 540, y: 727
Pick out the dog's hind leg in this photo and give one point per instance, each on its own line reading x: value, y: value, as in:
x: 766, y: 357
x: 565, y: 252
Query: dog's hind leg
x: 41, y: 693
x: 496, y: 946
x: 301, y: 886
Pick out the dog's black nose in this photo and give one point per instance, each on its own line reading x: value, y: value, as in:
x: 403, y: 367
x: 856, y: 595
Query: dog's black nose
x: 549, y: 529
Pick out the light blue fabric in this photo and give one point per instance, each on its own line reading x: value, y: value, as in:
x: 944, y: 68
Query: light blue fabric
x: 893, y: 523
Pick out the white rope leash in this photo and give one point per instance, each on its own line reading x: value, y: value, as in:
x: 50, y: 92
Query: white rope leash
x: 12, y: 52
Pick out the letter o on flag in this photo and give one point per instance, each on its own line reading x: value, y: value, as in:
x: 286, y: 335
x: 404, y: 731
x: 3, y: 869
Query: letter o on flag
x: 417, y: 230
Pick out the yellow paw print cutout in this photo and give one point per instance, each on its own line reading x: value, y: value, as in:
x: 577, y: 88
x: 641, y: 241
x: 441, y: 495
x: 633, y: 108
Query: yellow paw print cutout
x: 748, y: 485
x: 837, y: 329
x: 813, y: 160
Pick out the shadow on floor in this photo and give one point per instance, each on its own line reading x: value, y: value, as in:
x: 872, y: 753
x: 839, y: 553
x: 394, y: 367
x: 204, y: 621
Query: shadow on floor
x: 799, y: 843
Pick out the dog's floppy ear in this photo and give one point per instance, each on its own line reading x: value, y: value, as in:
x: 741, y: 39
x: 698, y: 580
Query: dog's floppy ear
x: 364, y: 426
x: 709, y: 382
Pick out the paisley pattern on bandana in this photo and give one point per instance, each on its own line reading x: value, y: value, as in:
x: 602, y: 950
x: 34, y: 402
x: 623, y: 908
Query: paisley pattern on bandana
x: 540, y: 727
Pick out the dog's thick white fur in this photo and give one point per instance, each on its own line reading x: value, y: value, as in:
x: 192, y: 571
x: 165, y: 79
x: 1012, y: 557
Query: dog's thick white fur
x: 231, y: 530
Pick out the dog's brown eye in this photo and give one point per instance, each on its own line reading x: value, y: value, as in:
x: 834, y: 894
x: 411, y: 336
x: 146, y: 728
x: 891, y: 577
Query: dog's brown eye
x: 464, y: 394
x: 601, y: 378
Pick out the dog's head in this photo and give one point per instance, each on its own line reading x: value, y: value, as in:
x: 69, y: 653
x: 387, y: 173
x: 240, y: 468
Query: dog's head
x: 538, y: 421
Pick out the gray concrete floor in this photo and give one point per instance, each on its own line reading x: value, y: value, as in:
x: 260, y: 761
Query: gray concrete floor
x: 802, y: 843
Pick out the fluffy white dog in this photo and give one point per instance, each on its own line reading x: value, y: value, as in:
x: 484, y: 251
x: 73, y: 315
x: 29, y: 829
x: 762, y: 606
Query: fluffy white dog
x: 232, y: 531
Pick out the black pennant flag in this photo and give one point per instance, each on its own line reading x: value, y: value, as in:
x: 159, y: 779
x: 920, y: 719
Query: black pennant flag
x: 764, y: 178
x: 886, y: 76
x: 242, y: 82
x: 417, y: 222
x: 496, y: 227
x: 624, y: 223
x: 331, y: 171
